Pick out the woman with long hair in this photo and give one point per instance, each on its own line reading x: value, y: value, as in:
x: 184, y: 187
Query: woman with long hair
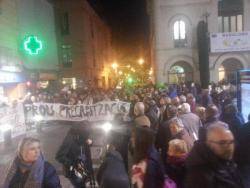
x: 148, y: 170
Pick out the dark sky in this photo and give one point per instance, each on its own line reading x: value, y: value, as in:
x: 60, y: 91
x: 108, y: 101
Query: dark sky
x: 128, y: 20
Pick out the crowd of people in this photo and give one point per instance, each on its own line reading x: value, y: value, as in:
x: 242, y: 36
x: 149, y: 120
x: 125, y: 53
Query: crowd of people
x: 179, y: 136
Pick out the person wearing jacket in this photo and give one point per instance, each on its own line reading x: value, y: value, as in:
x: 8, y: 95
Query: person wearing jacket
x: 210, y: 165
x: 75, y: 148
x: 29, y: 168
x: 234, y: 119
x: 242, y: 153
x: 178, y: 131
x: 112, y: 172
x: 148, y: 170
x: 140, y: 118
x: 191, y: 121
x: 175, y: 168
x: 212, y: 117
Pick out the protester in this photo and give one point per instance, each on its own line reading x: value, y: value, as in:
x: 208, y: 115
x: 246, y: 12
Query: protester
x: 210, y: 165
x: 242, y: 154
x: 148, y: 170
x: 206, y: 98
x: 191, y: 101
x: 191, y: 121
x: 140, y: 118
x: 74, y: 155
x: 178, y: 131
x: 152, y: 112
x: 175, y: 168
x: 29, y: 168
x: 164, y: 135
x: 212, y: 117
x: 200, y: 111
x: 234, y: 119
x: 112, y: 172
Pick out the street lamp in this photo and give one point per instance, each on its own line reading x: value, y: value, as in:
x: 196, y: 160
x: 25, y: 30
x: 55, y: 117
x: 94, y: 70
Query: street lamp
x: 141, y: 61
x: 114, y: 65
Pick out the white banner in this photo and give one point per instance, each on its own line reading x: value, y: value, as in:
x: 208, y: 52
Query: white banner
x: 230, y: 42
x: 12, y: 117
x: 102, y: 111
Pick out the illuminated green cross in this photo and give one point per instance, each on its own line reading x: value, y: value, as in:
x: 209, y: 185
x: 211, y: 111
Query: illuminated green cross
x: 32, y: 45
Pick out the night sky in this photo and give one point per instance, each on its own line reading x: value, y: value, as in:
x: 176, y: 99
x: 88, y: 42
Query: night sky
x: 128, y: 21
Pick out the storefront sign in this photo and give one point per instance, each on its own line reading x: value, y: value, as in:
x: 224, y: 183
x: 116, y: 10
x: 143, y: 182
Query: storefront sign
x: 11, y: 77
x: 230, y: 42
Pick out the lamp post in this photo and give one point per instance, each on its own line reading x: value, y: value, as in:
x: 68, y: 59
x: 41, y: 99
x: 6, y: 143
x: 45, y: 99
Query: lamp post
x: 141, y: 61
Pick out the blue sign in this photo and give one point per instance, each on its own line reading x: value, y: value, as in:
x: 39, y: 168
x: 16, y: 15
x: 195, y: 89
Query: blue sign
x: 11, y: 77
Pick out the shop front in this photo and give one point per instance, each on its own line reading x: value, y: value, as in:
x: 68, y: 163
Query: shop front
x: 12, y: 85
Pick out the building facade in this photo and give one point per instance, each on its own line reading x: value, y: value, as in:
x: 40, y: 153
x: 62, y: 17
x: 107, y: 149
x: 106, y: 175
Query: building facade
x: 175, y: 24
x: 37, y: 40
x: 12, y: 80
x: 84, y: 44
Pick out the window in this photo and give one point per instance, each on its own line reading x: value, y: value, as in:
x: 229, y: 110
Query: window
x: 230, y: 23
x: 67, y: 56
x: 230, y: 14
x: 65, y: 24
x: 180, y: 34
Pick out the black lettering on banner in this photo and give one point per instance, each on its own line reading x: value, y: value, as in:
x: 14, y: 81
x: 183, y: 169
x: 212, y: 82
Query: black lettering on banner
x: 78, y: 111
x: 108, y: 109
x: 123, y: 108
x: 42, y: 110
x: 82, y: 111
x: 68, y: 114
x: 94, y: 109
x: 61, y: 109
x: 50, y: 110
x: 34, y: 110
x: 100, y: 109
x: 91, y: 111
x: 112, y: 107
x: 74, y: 111
x: 87, y: 111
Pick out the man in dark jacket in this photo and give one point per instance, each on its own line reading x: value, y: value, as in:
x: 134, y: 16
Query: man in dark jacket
x: 242, y: 154
x: 112, y: 172
x: 212, y: 117
x: 210, y: 164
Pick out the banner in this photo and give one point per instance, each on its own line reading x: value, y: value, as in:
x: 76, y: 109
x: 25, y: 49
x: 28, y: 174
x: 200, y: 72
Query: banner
x: 230, y: 42
x: 12, y: 117
x: 102, y: 111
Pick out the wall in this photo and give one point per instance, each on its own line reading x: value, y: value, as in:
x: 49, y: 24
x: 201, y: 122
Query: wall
x: 36, y: 17
x: 90, y: 39
x: 166, y: 12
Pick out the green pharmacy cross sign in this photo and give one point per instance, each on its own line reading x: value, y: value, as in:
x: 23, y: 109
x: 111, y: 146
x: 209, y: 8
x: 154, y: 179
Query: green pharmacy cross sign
x: 32, y: 45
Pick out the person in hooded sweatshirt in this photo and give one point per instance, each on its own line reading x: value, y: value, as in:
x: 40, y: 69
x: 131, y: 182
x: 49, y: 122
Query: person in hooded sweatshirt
x: 112, y: 172
x: 210, y: 164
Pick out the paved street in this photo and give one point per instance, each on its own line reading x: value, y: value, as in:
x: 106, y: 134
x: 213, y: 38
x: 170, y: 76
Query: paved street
x: 51, y: 139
